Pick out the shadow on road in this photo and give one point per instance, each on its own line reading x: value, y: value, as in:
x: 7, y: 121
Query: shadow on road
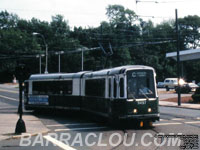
x: 70, y: 117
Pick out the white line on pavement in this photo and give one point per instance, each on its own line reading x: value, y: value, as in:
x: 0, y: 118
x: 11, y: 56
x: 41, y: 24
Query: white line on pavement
x: 74, y: 129
x: 165, y: 124
x: 58, y: 143
x: 9, y: 98
x: 163, y: 120
x: 178, y: 119
x: 192, y: 122
x: 7, y: 107
x: 9, y: 91
x: 59, y: 125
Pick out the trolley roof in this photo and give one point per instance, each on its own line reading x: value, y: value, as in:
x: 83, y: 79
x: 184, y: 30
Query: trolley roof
x: 56, y: 76
x: 104, y: 72
x: 116, y: 70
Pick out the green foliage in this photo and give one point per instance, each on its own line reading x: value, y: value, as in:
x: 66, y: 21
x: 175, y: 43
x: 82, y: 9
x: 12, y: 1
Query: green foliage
x: 189, y: 27
x: 125, y: 39
x: 7, y: 20
x: 119, y: 16
x: 196, y: 96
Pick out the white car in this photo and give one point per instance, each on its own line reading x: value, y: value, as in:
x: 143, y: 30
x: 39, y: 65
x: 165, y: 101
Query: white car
x: 172, y: 83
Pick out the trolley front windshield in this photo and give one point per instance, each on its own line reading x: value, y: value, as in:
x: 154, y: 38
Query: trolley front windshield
x: 140, y: 84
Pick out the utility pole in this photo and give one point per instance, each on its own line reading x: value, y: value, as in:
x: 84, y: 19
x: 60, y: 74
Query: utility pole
x: 178, y: 57
x: 40, y: 62
x: 82, y: 60
x: 46, y: 50
x: 59, y: 53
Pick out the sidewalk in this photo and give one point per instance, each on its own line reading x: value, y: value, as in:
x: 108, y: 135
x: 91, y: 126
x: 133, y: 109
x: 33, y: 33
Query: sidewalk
x: 8, y: 121
x: 9, y: 85
x: 163, y: 95
x: 183, y: 105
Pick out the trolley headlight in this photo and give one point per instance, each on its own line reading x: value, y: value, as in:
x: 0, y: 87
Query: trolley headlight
x: 134, y: 111
x: 149, y: 110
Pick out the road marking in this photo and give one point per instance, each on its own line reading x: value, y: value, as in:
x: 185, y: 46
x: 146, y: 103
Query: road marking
x: 59, y: 125
x: 9, y: 91
x: 74, y: 129
x: 178, y: 119
x: 163, y: 120
x: 192, y: 122
x: 58, y: 143
x: 165, y: 124
x: 8, y: 107
x: 12, y: 99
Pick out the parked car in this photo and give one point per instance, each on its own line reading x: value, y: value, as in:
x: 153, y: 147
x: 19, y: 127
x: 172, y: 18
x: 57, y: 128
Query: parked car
x: 160, y: 85
x: 193, y: 86
x: 172, y: 83
x: 187, y: 87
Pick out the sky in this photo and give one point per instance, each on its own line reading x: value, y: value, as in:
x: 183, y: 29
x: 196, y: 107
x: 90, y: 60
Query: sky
x: 89, y: 13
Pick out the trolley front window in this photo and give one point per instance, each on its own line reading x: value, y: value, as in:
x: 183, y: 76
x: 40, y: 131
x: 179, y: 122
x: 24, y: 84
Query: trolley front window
x: 140, y: 84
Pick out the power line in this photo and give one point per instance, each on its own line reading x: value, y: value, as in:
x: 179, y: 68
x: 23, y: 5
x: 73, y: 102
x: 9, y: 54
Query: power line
x: 137, y: 1
x: 145, y: 43
x: 153, y: 17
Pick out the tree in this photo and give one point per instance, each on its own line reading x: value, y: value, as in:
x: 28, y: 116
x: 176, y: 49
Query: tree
x: 7, y: 20
x: 119, y: 16
x: 189, y: 28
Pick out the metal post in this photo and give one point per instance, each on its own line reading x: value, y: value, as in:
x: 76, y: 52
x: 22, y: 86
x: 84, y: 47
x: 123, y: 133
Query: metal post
x: 20, y: 111
x: 82, y: 60
x: 40, y: 64
x: 59, y: 59
x: 46, y: 67
x: 20, y: 126
x: 178, y: 58
x: 46, y: 50
x: 59, y: 62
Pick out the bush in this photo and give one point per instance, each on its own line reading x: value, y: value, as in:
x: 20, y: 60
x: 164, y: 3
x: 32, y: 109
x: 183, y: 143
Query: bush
x: 183, y: 89
x: 196, y: 96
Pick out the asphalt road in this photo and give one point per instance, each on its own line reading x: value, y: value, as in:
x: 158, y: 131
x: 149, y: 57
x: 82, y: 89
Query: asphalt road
x: 75, y: 130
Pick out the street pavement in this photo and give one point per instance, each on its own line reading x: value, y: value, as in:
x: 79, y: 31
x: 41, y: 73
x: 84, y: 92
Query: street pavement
x: 9, y: 117
x: 163, y: 95
x: 174, y: 120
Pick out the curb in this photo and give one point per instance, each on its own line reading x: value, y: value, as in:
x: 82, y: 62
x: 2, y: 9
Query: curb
x: 179, y: 107
x: 26, y: 135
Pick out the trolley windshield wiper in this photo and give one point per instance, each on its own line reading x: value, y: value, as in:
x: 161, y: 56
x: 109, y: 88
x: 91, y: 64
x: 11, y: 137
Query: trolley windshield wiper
x: 144, y: 94
x: 132, y: 94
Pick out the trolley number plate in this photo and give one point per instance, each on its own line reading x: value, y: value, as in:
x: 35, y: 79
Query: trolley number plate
x: 40, y: 100
x: 141, y: 102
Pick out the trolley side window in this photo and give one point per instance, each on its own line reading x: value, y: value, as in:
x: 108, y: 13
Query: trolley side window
x: 52, y: 87
x: 121, y: 83
x: 115, y: 88
x: 109, y: 87
x: 95, y: 87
